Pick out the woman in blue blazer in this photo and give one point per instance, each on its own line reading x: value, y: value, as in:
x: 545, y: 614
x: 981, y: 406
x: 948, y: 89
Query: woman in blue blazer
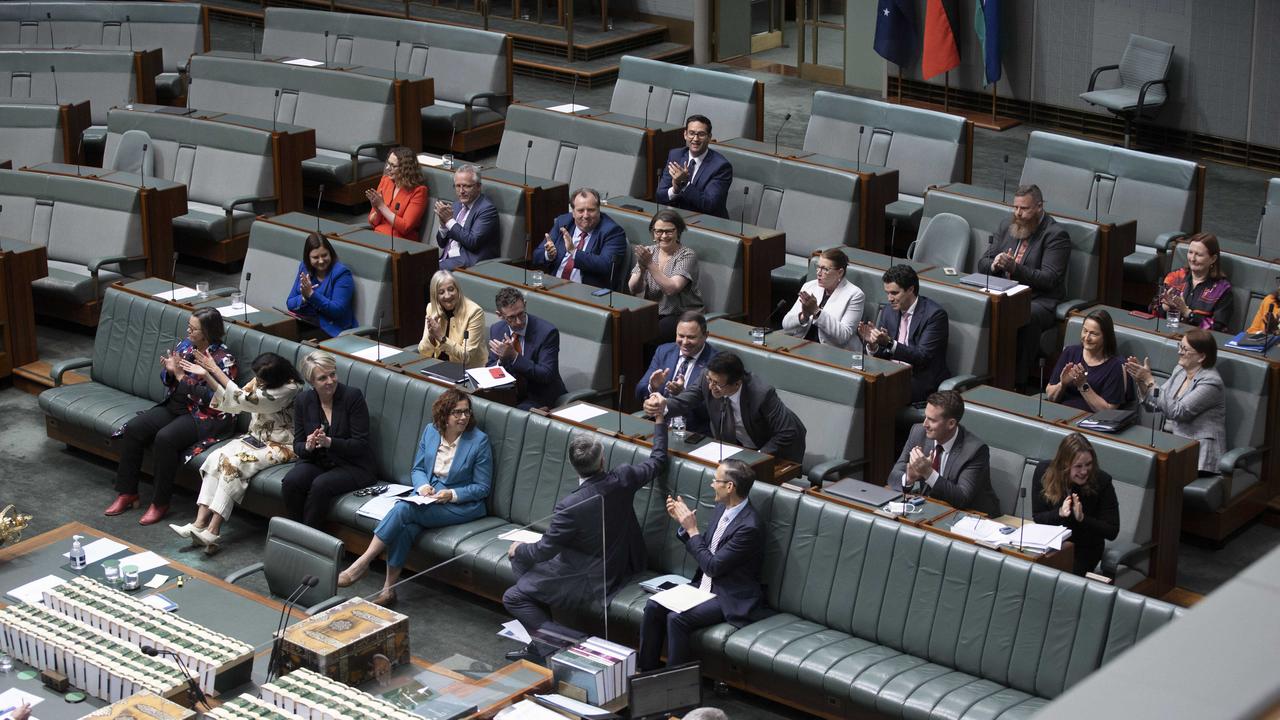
x: 454, y: 465
x: 324, y: 290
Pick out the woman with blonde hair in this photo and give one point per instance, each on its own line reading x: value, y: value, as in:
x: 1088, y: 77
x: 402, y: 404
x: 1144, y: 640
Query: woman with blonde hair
x: 1070, y: 490
x: 400, y: 202
x: 454, y: 329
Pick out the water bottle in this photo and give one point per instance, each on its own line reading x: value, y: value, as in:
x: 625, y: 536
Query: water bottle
x: 77, y: 553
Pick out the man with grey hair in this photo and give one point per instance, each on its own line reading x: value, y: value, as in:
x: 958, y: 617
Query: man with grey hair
x: 584, y: 245
x: 1033, y: 249
x: 469, y: 229
x: 706, y: 713
x: 592, y: 546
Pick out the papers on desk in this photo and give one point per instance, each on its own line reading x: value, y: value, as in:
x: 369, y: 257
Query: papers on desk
x: 682, y: 597
x: 488, y: 377
x: 524, y: 536
x: 1030, y: 535
x: 231, y: 311
x: 714, y: 452
x: 159, y: 601
x: 99, y: 549
x: 156, y: 581
x: 376, y: 352
x: 33, y: 593
x: 14, y: 698
x: 378, y: 507
x: 179, y: 293
x: 580, y: 709
x: 514, y: 630
x: 304, y: 62
x: 144, y: 561
x: 980, y: 529
x: 1015, y: 290
x: 432, y: 160
x: 567, y: 108
x: 528, y: 710
x: 580, y: 412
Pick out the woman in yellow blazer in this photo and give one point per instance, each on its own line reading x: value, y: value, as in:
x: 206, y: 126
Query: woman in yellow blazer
x: 454, y: 330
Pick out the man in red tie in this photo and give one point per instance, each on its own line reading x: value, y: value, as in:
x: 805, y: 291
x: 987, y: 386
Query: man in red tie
x: 944, y: 461
x: 1033, y: 249
x: 584, y: 245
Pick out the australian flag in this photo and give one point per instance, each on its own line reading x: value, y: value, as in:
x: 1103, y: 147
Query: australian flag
x: 896, y: 31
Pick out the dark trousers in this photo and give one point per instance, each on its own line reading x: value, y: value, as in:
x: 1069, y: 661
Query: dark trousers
x: 309, y: 490
x: 676, y: 628
x: 169, y: 433
x: 1043, y: 317
x: 524, y: 606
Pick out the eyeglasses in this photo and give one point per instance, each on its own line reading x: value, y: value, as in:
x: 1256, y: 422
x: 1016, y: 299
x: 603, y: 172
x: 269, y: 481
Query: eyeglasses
x: 664, y: 231
x: 1185, y: 350
x: 463, y: 412
x: 370, y: 491
x: 517, y: 317
x: 821, y: 270
x: 696, y: 134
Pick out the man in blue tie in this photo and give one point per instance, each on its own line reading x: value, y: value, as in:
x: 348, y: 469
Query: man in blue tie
x: 696, y: 177
x: 729, y: 565
x: 585, y: 245
x: 469, y: 229
x: 680, y: 364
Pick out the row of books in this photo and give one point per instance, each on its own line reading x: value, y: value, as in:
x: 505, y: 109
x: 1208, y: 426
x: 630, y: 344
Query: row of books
x: 310, y: 695
x: 598, y: 666
x: 248, y: 707
x: 94, y: 661
x: 123, y: 616
x: 142, y: 705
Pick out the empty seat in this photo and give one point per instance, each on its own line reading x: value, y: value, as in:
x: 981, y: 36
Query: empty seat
x: 943, y: 240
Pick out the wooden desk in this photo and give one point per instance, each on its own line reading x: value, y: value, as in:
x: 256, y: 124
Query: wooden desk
x: 412, y: 365
x: 20, y: 265
x: 265, y: 320
x: 544, y: 200
x: 1008, y: 314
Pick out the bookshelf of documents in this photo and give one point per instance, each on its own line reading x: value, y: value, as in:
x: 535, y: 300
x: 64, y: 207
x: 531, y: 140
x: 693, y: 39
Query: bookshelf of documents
x: 598, y: 666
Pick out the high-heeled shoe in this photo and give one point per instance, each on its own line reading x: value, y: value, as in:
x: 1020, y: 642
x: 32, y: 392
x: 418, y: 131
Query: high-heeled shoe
x: 122, y: 503
x: 204, y: 537
x: 386, y: 598
x: 154, y: 514
x: 347, y: 578
x: 184, y: 531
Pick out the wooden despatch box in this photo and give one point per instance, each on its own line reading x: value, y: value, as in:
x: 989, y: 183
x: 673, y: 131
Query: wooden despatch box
x: 349, y: 643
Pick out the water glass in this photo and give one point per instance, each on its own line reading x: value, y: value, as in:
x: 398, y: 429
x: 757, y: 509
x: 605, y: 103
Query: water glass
x: 1171, y: 320
x: 757, y: 335
x: 446, y: 161
x: 131, y: 579
x: 237, y: 300
x: 857, y: 361
x: 535, y: 278
x: 6, y: 664
x: 678, y: 427
x: 202, y: 289
x: 111, y: 568
x: 609, y: 23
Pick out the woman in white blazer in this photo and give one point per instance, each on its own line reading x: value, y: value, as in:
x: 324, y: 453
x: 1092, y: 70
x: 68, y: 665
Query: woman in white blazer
x: 1193, y: 399
x: 828, y: 309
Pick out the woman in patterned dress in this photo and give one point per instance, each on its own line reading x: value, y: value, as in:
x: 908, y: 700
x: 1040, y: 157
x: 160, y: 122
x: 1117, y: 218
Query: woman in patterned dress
x: 226, y: 472
x: 667, y: 273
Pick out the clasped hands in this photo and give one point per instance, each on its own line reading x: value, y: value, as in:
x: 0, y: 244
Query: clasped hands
x: 549, y: 248
x: 658, y: 382
x: 505, y: 348
x: 318, y: 439
x: 304, y: 285
x: 375, y: 199
x: 919, y: 465
x: 655, y: 406
x: 644, y: 256
x: 1003, y: 262
x: 1071, y: 506
x: 808, y: 305
x: 1139, y: 371
x: 444, y: 211
x: 1073, y: 374
x: 435, y: 329
x: 682, y: 514
x: 873, y: 335
x: 1171, y: 299
x: 679, y: 174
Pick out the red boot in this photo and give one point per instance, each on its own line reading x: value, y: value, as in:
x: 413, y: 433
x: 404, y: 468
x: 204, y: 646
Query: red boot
x: 123, y: 502
x: 154, y: 514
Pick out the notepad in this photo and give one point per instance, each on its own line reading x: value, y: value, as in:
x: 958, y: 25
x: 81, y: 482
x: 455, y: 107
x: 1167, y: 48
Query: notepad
x: 579, y: 412
x: 524, y: 536
x: 682, y: 597
x: 567, y: 108
x: 376, y: 352
x: 304, y: 62
x: 232, y: 311
x: 179, y: 293
x: 714, y: 452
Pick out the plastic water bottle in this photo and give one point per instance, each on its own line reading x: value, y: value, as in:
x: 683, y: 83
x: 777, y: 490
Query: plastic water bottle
x: 77, y: 553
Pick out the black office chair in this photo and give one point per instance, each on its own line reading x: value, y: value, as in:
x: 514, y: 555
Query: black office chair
x: 293, y: 551
x: 1144, y: 74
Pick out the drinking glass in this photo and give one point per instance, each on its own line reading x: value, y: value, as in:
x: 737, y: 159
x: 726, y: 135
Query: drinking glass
x: 237, y: 300
x: 535, y: 278
x: 757, y: 335
x: 678, y: 427
x: 131, y: 580
x: 202, y: 288
x: 111, y: 568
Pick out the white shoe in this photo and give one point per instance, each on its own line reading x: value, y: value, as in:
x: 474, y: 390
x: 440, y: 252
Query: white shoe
x: 183, y: 530
x: 204, y: 537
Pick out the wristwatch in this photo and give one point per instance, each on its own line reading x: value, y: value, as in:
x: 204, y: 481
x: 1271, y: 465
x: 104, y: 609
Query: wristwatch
x: 1085, y: 387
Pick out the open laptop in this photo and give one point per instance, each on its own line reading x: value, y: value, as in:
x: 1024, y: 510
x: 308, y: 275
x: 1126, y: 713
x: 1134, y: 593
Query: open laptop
x: 994, y: 282
x: 863, y: 492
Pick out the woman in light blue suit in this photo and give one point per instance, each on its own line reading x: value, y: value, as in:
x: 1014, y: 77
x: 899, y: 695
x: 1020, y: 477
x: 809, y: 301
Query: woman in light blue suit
x: 453, y: 465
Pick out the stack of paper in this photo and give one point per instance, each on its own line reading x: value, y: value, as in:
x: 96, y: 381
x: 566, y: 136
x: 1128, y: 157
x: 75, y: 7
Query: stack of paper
x: 491, y: 376
x: 1031, y: 535
x: 378, y: 507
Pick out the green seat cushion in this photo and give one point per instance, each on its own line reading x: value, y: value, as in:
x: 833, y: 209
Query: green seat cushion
x: 445, y: 117
x: 1142, y: 265
x: 92, y: 406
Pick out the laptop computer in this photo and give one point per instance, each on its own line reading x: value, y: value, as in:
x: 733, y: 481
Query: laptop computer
x: 863, y: 492
x: 447, y: 371
x: 994, y: 282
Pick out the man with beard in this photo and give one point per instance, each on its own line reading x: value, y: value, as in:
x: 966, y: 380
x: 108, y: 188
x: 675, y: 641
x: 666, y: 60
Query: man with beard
x: 1031, y: 248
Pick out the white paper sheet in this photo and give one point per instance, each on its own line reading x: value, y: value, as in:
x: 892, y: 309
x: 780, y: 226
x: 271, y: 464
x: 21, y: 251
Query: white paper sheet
x: 715, y: 451
x: 432, y: 160
x: 144, y: 561
x: 976, y: 528
x: 181, y: 292
x: 377, y: 508
x: 417, y: 499
x: 524, y: 536
x: 156, y: 581
x: 304, y: 62
x: 13, y: 697
x: 1019, y: 288
x: 487, y: 377
x: 232, y: 312
x: 514, y: 630
x: 574, y: 706
x: 373, y: 353
x: 1038, y: 535
x: 579, y: 412
x: 99, y: 549
x: 528, y: 710
x: 682, y: 597
x: 160, y: 601
x: 568, y: 108
x: 33, y: 591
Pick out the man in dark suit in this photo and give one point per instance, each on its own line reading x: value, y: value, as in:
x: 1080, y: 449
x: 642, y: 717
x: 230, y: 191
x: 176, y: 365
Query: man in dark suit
x: 680, y: 364
x: 730, y: 556
x: 469, y: 230
x: 696, y: 177
x: 741, y: 410
x: 527, y: 347
x: 596, y: 245
x: 945, y: 461
x: 1033, y: 249
x: 581, y: 548
x: 913, y: 330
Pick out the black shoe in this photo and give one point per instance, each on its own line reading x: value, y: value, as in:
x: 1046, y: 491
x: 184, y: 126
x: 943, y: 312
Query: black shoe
x: 528, y: 652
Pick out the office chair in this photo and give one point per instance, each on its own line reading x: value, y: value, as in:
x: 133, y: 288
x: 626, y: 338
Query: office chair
x: 1144, y: 73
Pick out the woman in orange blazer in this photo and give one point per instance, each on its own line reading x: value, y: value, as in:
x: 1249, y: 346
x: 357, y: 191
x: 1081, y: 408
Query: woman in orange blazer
x: 400, y: 201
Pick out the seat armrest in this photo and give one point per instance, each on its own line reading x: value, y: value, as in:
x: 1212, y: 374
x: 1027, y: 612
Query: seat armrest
x: 364, y: 330
x: 1164, y: 240
x: 1094, y: 77
x: 1142, y: 92
x: 96, y: 263
x: 574, y: 396
x: 325, y: 604
x: 1066, y: 307
x: 245, y: 572
x: 379, y: 145
x: 827, y: 467
x: 254, y: 200
x: 60, y: 368
x: 1238, y: 457
x: 1122, y: 553
x: 960, y: 383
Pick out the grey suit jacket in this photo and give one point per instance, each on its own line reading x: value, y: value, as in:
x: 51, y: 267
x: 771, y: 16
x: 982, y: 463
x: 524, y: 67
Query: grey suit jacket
x: 965, y: 480
x: 1200, y: 413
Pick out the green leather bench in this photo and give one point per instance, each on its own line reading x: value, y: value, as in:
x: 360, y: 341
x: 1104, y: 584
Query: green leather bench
x: 734, y: 103
x: 872, y: 615
x: 34, y: 133
x: 106, y: 78
x: 510, y: 201
x: 580, y: 152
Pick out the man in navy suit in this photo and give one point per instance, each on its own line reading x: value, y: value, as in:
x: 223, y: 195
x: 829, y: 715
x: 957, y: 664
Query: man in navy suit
x: 596, y: 245
x: 527, y: 347
x: 592, y: 546
x: 913, y: 330
x: 729, y: 556
x: 696, y: 177
x: 469, y: 230
x: 680, y: 364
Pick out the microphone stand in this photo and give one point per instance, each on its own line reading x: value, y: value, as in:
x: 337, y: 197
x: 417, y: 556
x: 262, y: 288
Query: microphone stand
x: 1041, y: 392
x: 861, y: 128
x: 991, y: 239
x: 647, y: 98
x: 273, y: 663
x: 319, y: 198
x: 377, y: 340
x: 775, y: 135
x: 194, y: 692
x: 1022, y: 494
x: 893, y: 240
x: 1155, y: 418
x: 1261, y: 222
x: 393, y: 228
x: 1097, y: 196
x: 764, y: 339
x: 1004, y: 181
x: 527, y: 148
x: 247, y: 277
x: 613, y: 268
x: 742, y: 216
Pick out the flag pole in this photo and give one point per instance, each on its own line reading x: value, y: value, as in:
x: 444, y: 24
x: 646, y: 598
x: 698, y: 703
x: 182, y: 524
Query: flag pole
x: 946, y: 91
x: 993, y: 102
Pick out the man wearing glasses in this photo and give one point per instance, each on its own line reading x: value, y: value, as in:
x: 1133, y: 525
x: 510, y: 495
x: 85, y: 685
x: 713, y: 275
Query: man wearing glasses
x: 696, y: 177
x: 527, y: 347
x: 469, y: 229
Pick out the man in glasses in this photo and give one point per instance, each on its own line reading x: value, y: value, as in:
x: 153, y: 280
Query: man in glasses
x: 469, y: 229
x: 527, y: 347
x: 696, y: 177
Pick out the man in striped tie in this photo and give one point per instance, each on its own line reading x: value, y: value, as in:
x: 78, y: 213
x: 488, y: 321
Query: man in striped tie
x: 729, y: 564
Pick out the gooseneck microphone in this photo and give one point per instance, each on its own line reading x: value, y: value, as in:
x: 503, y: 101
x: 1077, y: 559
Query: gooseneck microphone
x: 861, y: 128
x: 775, y: 135
x: 128, y: 21
x: 395, y: 63
x: 647, y: 98
x: 1022, y: 495
x: 253, y: 39
x: 194, y: 692
x: 1262, y: 221
x: 1004, y: 181
x: 143, y: 169
x: 613, y: 268
x: 377, y: 339
x: 622, y: 385
x: 79, y: 149
x: 1097, y: 196
x: 991, y: 239
x: 247, y: 277
x: 273, y: 663
x: 573, y: 93
x: 54, y: 72
x: 326, y: 48
x: 742, y: 216
x: 782, y: 304
x: 893, y: 240
x: 1041, y: 391
x: 319, y: 197
x: 528, y: 146
x: 275, y: 111
x: 1155, y: 418
x: 466, y: 335
x: 393, y: 228
x: 657, y: 196
x: 49, y: 18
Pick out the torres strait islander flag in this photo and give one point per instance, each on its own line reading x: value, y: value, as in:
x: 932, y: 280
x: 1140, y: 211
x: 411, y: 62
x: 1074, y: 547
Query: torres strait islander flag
x: 941, y: 53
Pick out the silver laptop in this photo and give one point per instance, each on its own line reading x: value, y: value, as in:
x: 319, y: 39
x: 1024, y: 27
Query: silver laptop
x: 863, y: 492
x: 994, y: 282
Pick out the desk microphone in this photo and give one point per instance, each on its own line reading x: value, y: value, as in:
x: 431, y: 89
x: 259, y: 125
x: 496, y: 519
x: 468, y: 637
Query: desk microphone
x: 1041, y: 391
x: 79, y: 149
x: 393, y: 227
x: 128, y: 21
x: 466, y: 335
x: 613, y: 267
x: 573, y: 93
x: 861, y: 128
x: 769, y: 322
x: 647, y: 98
x: 991, y: 239
x: 194, y: 691
x: 326, y: 48
x: 657, y: 196
x: 1097, y: 196
x: 742, y: 216
x: 49, y: 18
x: 377, y: 339
x: 275, y: 111
x: 1004, y: 181
x: 395, y: 63
x: 622, y: 384
x: 54, y: 72
x: 1155, y: 396
x: 319, y: 197
x: 308, y: 581
x: 143, y: 170
x: 247, y: 277
x: 452, y: 131
x: 528, y: 145
x: 893, y: 240
x: 1022, y: 494
x: 253, y: 38
x: 775, y: 135
x: 1261, y: 222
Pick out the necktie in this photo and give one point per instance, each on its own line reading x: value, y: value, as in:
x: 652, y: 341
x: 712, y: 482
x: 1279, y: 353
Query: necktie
x: 937, y: 458
x: 904, y: 328
x: 680, y: 368
x: 1022, y: 250
x: 462, y: 216
x: 705, y: 583
x: 515, y: 343
x: 567, y: 273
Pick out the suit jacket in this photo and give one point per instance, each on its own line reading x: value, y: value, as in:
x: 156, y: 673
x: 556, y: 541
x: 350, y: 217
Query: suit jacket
x: 1101, y: 513
x: 413, y: 207
x: 605, y: 253
x: 470, y: 476
x: 565, y: 565
x: 537, y: 368
x: 349, y: 431
x: 838, y: 321
x: 467, y: 319
x: 965, y: 480
x: 1044, y: 267
x: 1199, y: 414
x: 735, y: 565
x: 332, y: 304
x: 926, y: 348
x: 707, y: 191
x: 666, y: 358
x: 773, y: 428
x: 479, y: 236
